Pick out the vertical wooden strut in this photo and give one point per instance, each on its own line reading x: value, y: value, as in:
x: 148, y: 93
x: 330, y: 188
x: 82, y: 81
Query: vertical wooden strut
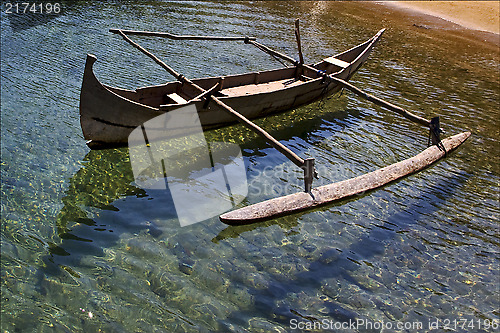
x: 306, y: 165
x: 299, y: 69
x: 297, y: 36
x: 309, y: 174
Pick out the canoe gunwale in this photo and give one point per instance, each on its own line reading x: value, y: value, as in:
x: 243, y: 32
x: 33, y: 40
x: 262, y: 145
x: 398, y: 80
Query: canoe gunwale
x: 368, y: 45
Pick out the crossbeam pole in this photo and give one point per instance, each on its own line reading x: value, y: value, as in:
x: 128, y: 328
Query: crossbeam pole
x: 178, y: 37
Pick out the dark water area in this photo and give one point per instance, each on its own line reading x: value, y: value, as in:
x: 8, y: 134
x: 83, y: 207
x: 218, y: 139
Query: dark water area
x: 83, y: 248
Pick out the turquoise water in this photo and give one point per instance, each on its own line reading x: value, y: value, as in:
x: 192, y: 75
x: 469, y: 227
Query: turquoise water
x: 84, y: 249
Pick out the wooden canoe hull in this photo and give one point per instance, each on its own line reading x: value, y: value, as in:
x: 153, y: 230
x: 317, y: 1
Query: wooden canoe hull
x: 329, y: 193
x: 108, y: 115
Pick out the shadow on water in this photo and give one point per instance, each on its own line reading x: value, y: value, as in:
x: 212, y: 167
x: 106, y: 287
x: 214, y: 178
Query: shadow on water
x: 339, y: 263
x: 105, y: 177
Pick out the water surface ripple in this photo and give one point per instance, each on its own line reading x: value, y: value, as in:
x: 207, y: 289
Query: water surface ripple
x: 85, y: 249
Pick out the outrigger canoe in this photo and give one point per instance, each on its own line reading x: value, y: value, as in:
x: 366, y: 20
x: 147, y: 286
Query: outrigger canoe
x: 108, y: 114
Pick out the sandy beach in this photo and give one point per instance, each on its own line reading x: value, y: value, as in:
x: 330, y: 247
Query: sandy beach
x: 477, y: 15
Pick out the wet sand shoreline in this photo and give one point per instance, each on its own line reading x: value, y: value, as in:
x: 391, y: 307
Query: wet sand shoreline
x: 476, y: 15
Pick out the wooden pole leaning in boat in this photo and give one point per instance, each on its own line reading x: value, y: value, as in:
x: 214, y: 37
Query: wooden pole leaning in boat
x: 307, y: 165
x: 347, y: 85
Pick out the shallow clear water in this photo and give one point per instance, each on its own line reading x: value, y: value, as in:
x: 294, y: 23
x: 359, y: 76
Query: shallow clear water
x: 79, y: 238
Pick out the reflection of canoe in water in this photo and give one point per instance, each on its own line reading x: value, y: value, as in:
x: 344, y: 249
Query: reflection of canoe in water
x: 105, y: 179
x: 100, y: 211
x: 108, y: 115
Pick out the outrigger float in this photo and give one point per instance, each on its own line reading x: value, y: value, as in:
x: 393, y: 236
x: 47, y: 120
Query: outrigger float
x: 108, y: 115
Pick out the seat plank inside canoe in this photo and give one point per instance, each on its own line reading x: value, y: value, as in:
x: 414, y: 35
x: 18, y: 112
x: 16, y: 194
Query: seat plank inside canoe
x: 337, y: 62
x: 260, y: 87
x: 176, y: 98
x: 157, y: 95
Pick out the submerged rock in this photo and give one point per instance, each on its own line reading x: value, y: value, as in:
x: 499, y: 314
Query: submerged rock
x: 186, y: 267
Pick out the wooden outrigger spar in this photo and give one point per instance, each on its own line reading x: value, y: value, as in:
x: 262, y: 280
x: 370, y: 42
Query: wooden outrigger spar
x: 292, y: 87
